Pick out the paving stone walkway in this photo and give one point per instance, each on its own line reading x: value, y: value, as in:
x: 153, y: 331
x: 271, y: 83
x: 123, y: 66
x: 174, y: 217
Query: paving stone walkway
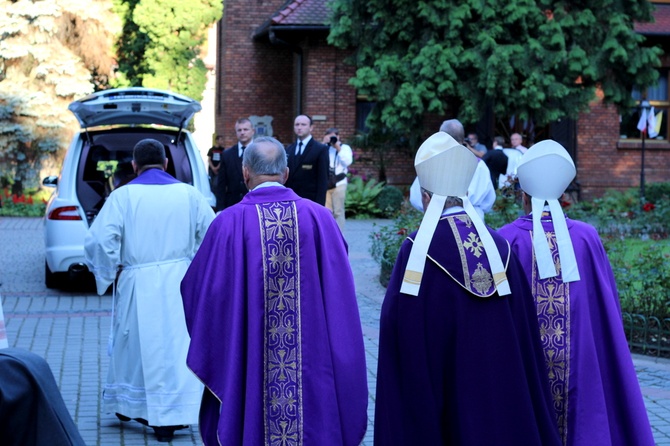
x: 69, y: 329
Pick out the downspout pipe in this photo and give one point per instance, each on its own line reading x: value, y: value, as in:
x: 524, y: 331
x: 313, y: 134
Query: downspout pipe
x: 274, y: 40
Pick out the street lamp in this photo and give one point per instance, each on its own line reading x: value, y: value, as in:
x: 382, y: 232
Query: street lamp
x: 644, y: 110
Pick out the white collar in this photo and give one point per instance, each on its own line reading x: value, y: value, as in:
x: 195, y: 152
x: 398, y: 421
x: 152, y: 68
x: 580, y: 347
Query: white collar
x: 453, y: 210
x: 305, y: 141
x: 268, y: 184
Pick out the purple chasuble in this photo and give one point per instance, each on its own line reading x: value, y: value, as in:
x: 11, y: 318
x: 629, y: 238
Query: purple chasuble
x: 459, y: 364
x: 595, y: 392
x: 275, y: 332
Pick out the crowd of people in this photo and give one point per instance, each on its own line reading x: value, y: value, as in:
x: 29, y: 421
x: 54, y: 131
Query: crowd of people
x: 245, y: 322
x: 318, y: 170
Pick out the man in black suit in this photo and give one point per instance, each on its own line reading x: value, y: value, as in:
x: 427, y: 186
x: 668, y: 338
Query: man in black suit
x: 496, y: 161
x: 230, y: 184
x: 307, y: 163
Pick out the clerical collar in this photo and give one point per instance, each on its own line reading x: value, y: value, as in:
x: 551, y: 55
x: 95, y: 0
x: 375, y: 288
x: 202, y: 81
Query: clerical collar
x: 268, y: 184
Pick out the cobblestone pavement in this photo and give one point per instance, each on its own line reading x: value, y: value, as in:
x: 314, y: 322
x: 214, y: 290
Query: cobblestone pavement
x: 69, y: 329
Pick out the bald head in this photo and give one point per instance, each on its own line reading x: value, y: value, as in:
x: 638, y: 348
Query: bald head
x: 264, y: 160
x: 454, y: 128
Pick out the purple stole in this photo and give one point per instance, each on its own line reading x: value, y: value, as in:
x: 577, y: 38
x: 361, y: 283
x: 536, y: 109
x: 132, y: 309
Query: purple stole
x: 283, y: 410
x: 475, y: 272
x: 552, y: 299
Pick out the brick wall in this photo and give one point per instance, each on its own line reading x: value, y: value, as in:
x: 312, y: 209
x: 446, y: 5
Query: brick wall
x: 326, y: 90
x: 258, y: 78
x: 253, y: 78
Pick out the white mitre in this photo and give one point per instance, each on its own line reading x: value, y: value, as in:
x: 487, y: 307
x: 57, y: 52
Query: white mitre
x: 446, y: 168
x: 544, y: 172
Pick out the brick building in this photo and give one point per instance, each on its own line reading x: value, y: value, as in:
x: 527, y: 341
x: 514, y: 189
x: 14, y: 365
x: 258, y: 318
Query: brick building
x: 275, y: 63
x: 609, y: 147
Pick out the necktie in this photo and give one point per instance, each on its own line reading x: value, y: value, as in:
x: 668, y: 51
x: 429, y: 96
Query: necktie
x: 298, y: 151
x: 242, y: 152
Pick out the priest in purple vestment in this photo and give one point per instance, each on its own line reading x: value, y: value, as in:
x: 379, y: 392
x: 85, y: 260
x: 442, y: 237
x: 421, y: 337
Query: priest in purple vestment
x: 460, y: 360
x: 596, y: 398
x: 271, y: 309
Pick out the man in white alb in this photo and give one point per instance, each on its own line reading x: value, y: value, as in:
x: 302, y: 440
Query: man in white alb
x: 146, y: 234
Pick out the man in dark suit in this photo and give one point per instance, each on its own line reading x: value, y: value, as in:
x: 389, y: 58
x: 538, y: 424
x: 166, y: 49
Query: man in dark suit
x: 496, y: 160
x: 230, y: 184
x: 307, y: 163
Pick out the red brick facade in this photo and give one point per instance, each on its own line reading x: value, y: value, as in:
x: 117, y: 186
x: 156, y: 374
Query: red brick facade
x: 256, y: 77
x: 253, y: 78
x: 259, y: 77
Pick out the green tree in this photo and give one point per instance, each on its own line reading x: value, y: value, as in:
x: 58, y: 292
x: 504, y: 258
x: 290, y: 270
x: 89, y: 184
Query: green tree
x: 161, y: 41
x: 51, y: 51
x: 538, y: 60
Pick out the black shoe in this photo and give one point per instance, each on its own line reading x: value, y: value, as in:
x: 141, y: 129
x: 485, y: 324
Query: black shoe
x: 164, y: 433
x: 122, y: 417
x: 142, y: 421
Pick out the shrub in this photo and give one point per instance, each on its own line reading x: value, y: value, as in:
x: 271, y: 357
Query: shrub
x: 10, y: 209
x: 620, y: 214
x: 642, y: 272
x: 389, y: 201
x: 387, y: 239
x: 506, y: 208
x: 656, y: 191
x: 361, y: 201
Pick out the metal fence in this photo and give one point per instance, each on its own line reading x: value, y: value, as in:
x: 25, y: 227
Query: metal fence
x: 647, y: 335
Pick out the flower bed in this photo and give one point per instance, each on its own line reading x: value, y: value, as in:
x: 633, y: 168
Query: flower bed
x: 30, y: 205
x: 635, y: 236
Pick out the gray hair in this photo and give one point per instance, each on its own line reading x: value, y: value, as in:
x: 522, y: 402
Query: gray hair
x: 454, y: 128
x: 265, y: 162
x: 449, y: 203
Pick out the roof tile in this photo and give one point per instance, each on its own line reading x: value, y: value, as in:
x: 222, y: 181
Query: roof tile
x: 661, y: 25
x: 315, y: 12
x: 302, y: 12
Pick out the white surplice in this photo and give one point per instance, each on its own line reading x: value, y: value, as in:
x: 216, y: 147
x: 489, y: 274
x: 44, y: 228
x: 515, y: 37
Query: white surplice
x: 153, y: 232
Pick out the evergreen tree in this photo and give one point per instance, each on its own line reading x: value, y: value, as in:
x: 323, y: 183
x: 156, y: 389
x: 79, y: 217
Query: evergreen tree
x: 51, y: 52
x: 535, y: 60
x: 160, y: 43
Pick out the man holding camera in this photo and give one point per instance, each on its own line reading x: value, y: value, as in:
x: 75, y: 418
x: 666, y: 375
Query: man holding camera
x: 340, y: 157
x: 472, y: 142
